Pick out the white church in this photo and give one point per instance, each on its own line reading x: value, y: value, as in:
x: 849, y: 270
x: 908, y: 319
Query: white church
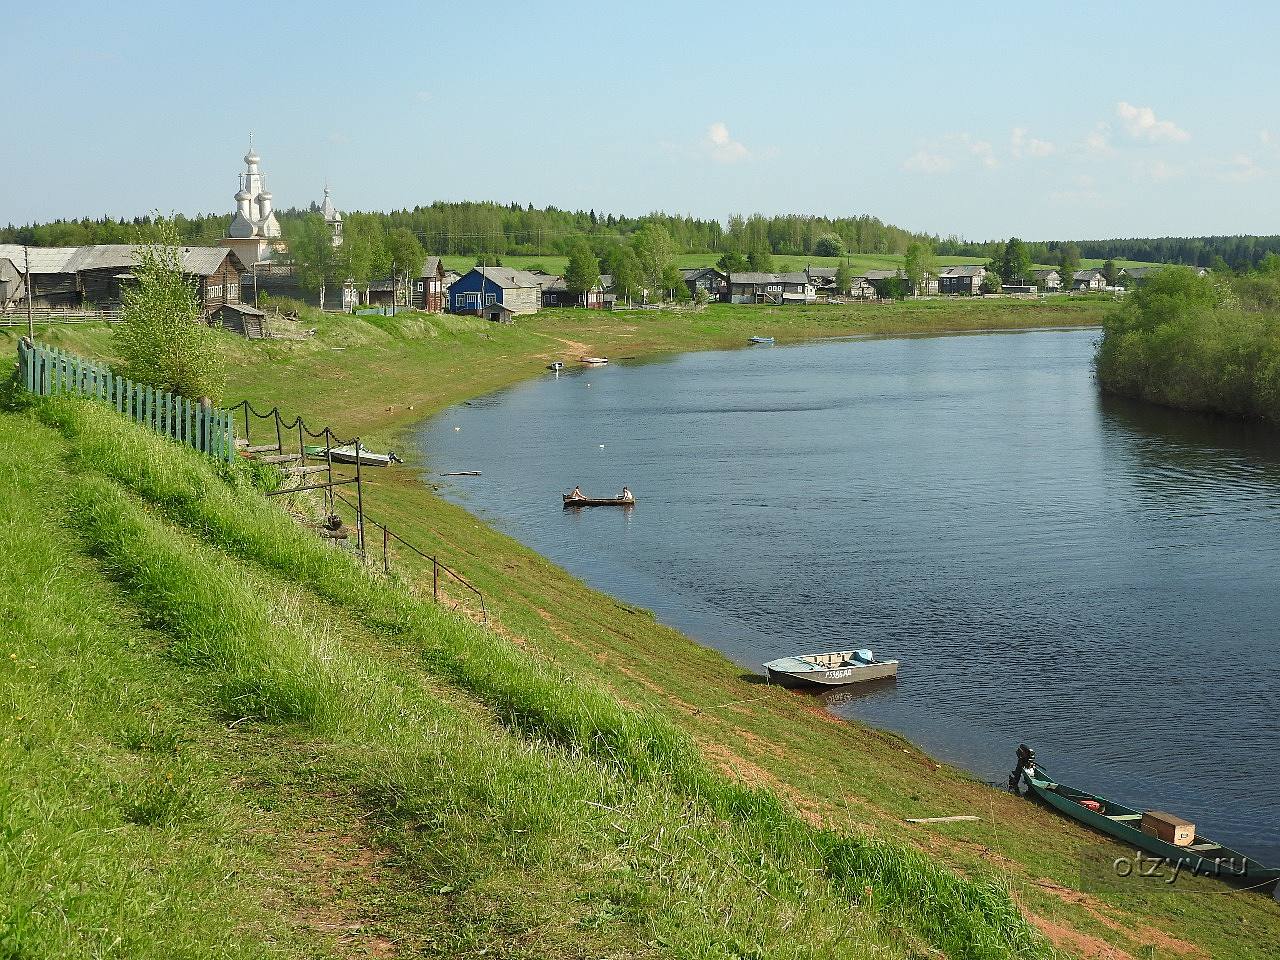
x: 254, y: 233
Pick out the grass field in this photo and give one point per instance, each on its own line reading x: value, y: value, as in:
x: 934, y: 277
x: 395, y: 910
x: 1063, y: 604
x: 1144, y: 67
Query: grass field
x: 782, y: 262
x: 312, y: 631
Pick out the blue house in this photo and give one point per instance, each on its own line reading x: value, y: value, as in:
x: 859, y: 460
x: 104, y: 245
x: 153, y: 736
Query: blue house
x: 517, y: 290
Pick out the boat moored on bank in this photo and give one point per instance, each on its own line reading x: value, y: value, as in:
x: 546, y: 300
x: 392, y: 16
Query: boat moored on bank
x: 1162, y: 835
x: 830, y: 669
x: 761, y: 340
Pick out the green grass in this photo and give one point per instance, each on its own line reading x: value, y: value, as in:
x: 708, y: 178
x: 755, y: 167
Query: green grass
x: 534, y: 813
x: 379, y: 376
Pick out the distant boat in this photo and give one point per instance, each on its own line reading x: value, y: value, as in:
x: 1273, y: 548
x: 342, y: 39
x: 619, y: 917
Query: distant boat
x: 830, y: 669
x: 571, y: 502
x: 595, y: 361
x: 555, y: 366
x: 762, y: 340
x: 1183, y: 845
x: 347, y: 454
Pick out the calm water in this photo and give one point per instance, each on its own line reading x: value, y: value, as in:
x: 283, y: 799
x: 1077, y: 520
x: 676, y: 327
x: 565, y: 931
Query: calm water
x: 1095, y: 578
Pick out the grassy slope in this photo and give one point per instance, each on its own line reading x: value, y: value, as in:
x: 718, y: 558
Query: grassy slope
x: 513, y: 809
x: 368, y: 377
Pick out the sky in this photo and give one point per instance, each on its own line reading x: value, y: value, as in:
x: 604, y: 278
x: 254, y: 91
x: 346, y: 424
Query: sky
x: 1078, y: 121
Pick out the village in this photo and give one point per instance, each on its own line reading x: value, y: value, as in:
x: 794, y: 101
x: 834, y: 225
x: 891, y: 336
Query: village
x: 252, y: 266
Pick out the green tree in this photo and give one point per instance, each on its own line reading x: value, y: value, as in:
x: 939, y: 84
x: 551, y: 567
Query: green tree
x: 163, y: 337
x: 405, y: 254
x: 655, y: 253
x: 1015, y: 264
x: 844, y: 277
x: 993, y: 279
x: 919, y: 263
x: 733, y: 262
x: 829, y: 245
x: 1110, y: 272
x: 760, y: 259
x: 673, y: 284
x: 1068, y: 264
x: 623, y: 265
x: 583, y: 271
x: 311, y: 249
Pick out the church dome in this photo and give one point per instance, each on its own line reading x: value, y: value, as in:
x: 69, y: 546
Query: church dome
x: 244, y: 195
x: 265, y: 195
x: 252, y: 156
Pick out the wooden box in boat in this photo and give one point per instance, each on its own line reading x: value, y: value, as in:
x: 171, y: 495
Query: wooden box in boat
x: 1169, y: 828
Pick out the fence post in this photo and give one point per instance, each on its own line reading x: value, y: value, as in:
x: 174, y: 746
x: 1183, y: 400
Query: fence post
x: 359, y: 502
x: 435, y: 579
x: 386, y: 560
x: 246, y: 421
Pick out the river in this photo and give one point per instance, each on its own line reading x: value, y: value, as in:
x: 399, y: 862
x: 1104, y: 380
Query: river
x: 1094, y: 577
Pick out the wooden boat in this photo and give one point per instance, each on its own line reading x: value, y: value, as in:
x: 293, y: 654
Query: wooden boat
x: 830, y: 669
x: 571, y: 502
x: 1201, y: 856
x: 347, y: 454
x: 761, y: 340
x: 595, y: 361
x: 555, y: 366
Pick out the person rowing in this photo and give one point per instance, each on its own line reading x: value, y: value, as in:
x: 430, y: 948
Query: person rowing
x: 576, y: 494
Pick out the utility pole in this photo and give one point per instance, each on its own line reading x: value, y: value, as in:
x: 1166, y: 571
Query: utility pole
x: 31, y: 328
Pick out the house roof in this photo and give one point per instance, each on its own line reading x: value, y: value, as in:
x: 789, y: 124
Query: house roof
x: 200, y: 261
x: 826, y: 273
x: 751, y: 277
x: 693, y: 273
x: 880, y: 274
x: 507, y: 277
x: 1044, y: 274
x: 43, y: 259
x: 431, y: 267
x: 1086, y: 274
x: 242, y: 308
x: 963, y: 270
x: 795, y: 276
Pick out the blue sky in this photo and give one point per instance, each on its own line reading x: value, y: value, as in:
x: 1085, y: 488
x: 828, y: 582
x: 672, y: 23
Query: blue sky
x: 988, y: 120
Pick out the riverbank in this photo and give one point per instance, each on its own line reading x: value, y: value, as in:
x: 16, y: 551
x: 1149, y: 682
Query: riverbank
x: 377, y: 376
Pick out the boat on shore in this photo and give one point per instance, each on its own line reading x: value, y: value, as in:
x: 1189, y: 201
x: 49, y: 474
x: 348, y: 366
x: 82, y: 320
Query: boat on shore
x: 347, y: 454
x: 595, y: 361
x: 1169, y: 838
x: 558, y: 365
x: 830, y: 669
x: 761, y: 340
x: 571, y: 502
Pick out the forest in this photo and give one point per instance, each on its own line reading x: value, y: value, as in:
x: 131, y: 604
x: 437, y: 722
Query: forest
x: 514, y: 229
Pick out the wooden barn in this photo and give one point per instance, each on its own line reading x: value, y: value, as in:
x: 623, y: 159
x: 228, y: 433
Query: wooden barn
x: 429, y: 295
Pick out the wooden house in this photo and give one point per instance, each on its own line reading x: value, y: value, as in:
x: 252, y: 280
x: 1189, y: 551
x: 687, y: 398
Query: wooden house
x: 556, y: 293
x: 429, y: 295
x: 962, y: 280
x: 714, y: 283
x: 518, y: 290
x: 753, y: 287
x: 1088, y: 280
x: 1049, y: 281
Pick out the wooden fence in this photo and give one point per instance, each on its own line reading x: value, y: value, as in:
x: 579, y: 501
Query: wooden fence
x: 50, y: 372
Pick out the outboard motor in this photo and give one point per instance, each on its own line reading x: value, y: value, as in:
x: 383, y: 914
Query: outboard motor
x: 1026, y: 760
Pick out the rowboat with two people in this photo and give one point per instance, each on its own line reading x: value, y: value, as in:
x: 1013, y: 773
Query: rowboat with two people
x: 830, y: 669
x: 576, y: 498
x: 1163, y: 835
x: 347, y: 454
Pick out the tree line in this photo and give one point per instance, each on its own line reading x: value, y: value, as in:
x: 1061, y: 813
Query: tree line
x: 1237, y: 253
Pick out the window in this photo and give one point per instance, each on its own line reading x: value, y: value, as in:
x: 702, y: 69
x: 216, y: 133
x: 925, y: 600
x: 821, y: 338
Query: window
x: 214, y: 291
x: 233, y: 291
x: 419, y: 286
x: 490, y: 299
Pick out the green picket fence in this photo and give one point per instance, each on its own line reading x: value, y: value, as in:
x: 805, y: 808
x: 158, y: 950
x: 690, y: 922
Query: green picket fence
x: 48, y: 372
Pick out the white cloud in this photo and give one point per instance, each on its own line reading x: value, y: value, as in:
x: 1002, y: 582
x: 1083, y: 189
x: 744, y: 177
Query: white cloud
x: 940, y: 156
x: 1098, y: 140
x: 1021, y: 145
x: 723, y: 147
x: 423, y: 96
x: 1142, y: 124
x: 1241, y: 168
x: 922, y: 161
x: 1157, y: 171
